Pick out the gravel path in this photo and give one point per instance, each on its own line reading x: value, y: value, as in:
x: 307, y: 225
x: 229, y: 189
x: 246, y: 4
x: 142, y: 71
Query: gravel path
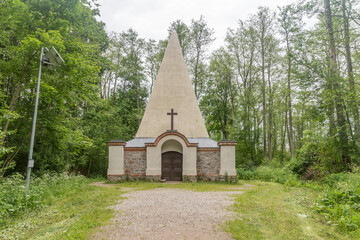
x: 170, y: 214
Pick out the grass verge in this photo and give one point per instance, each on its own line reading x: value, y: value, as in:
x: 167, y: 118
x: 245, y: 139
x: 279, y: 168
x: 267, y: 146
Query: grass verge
x: 74, y: 216
x: 264, y: 211
x: 274, y: 211
x: 198, y: 186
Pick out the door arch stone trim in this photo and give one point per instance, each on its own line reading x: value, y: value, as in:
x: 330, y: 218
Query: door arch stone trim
x: 175, y: 133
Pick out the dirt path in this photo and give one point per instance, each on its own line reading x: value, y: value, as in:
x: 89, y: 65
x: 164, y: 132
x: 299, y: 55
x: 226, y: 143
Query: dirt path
x: 170, y: 214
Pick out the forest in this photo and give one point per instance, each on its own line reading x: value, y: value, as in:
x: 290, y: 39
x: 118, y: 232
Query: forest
x: 284, y: 85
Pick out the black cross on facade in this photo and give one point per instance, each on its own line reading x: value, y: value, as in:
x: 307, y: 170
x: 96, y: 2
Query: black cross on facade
x: 172, y: 118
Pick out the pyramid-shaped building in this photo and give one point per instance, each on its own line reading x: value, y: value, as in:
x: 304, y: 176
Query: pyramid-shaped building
x: 172, y: 142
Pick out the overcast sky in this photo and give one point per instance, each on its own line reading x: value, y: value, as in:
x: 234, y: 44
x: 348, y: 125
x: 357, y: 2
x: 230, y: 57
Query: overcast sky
x: 151, y: 18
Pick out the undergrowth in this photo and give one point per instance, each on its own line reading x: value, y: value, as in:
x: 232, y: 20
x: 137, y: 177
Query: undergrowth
x: 43, y: 191
x: 340, y: 201
x: 338, y: 198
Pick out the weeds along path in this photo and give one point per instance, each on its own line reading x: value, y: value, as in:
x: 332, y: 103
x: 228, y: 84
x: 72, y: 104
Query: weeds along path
x: 165, y: 213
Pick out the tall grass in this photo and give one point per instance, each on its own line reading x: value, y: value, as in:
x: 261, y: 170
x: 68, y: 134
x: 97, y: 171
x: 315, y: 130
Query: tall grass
x: 43, y: 191
x: 340, y: 200
x: 269, y: 174
x: 338, y: 194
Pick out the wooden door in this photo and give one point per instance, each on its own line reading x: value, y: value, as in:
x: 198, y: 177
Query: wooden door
x: 171, y: 166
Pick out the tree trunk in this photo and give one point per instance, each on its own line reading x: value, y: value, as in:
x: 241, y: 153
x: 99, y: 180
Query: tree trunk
x: 138, y: 102
x: 283, y: 129
x: 196, y: 74
x: 232, y: 101
x: 109, y: 87
x: 269, y: 112
x: 334, y: 79
x: 263, y: 90
x: 291, y: 135
x: 353, y: 106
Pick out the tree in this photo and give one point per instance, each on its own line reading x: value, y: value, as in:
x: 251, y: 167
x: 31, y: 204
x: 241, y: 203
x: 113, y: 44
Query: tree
x: 346, y: 11
x: 217, y: 103
x: 126, y: 53
x: 201, y: 38
x: 263, y: 21
x: 183, y: 33
x: 195, y: 41
x: 154, y: 53
x: 334, y: 79
x: 71, y: 27
x: 242, y: 46
x: 290, y: 23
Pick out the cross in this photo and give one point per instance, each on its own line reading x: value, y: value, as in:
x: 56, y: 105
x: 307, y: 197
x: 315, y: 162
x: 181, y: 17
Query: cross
x: 172, y: 118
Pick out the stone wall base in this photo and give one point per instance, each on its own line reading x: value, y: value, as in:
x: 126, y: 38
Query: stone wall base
x: 114, y: 178
x: 189, y: 178
x: 186, y: 178
x: 217, y: 178
x: 153, y: 178
x: 135, y: 177
x: 230, y: 179
x: 126, y: 177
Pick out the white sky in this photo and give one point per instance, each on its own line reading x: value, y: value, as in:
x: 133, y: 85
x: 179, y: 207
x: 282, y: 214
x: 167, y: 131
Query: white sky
x: 151, y: 18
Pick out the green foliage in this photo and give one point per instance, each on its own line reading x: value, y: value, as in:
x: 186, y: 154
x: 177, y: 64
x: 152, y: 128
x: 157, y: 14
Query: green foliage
x: 340, y: 201
x: 270, y: 174
x: 218, y: 98
x: 6, y: 163
x: 98, y: 125
x: 338, y: 194
x: 317, y: 157
x: 44, y: 190
x: 75, y: 214
x: 71, y: 27
x: 272, y: 211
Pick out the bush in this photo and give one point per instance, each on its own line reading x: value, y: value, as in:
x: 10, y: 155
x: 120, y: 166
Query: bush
x: 339, y: 193
x: 317, y: 157
x: 245, y: 174
x: 278, y: 175
x: 43, y: 191
x: 265, y: 173
x: 340, y: 202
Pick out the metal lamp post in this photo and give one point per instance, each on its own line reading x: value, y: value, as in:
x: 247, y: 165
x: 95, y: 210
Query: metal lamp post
x: 50, y: 59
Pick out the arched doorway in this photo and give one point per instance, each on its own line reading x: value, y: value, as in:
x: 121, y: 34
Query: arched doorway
x: 171, y: 166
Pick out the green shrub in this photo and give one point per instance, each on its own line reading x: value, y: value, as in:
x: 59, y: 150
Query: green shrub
x: 307, y: 155
x: 340, y: 202
x: 265, y: 173
x: 317, y: 157
x: 245, y: 174
x: 43, y: 191
x: 279, y: 175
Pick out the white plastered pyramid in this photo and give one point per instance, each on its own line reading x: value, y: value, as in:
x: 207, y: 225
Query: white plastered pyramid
x: 172, y: 90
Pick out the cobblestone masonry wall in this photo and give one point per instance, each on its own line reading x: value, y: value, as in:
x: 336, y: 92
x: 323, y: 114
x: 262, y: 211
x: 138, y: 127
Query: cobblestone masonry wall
x: 208, y: 168
x: 135, y: 165
x: 208, y: 165
x: 153, y: 178
x: 114, y: 178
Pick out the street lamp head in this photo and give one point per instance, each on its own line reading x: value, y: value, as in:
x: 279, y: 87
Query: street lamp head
x: 52, y: 58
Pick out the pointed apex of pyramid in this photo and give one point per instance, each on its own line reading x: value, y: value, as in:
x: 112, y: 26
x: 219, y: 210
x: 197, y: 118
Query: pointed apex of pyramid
x: 172, y: 104
x: 174, y: 37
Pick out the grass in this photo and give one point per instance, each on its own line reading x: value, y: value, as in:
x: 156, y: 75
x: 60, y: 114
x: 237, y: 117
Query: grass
x: 79, y: 213
x: 275, y: 211
x: 266, y: 210
x: 75, y: 216
x: 198, y: 187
